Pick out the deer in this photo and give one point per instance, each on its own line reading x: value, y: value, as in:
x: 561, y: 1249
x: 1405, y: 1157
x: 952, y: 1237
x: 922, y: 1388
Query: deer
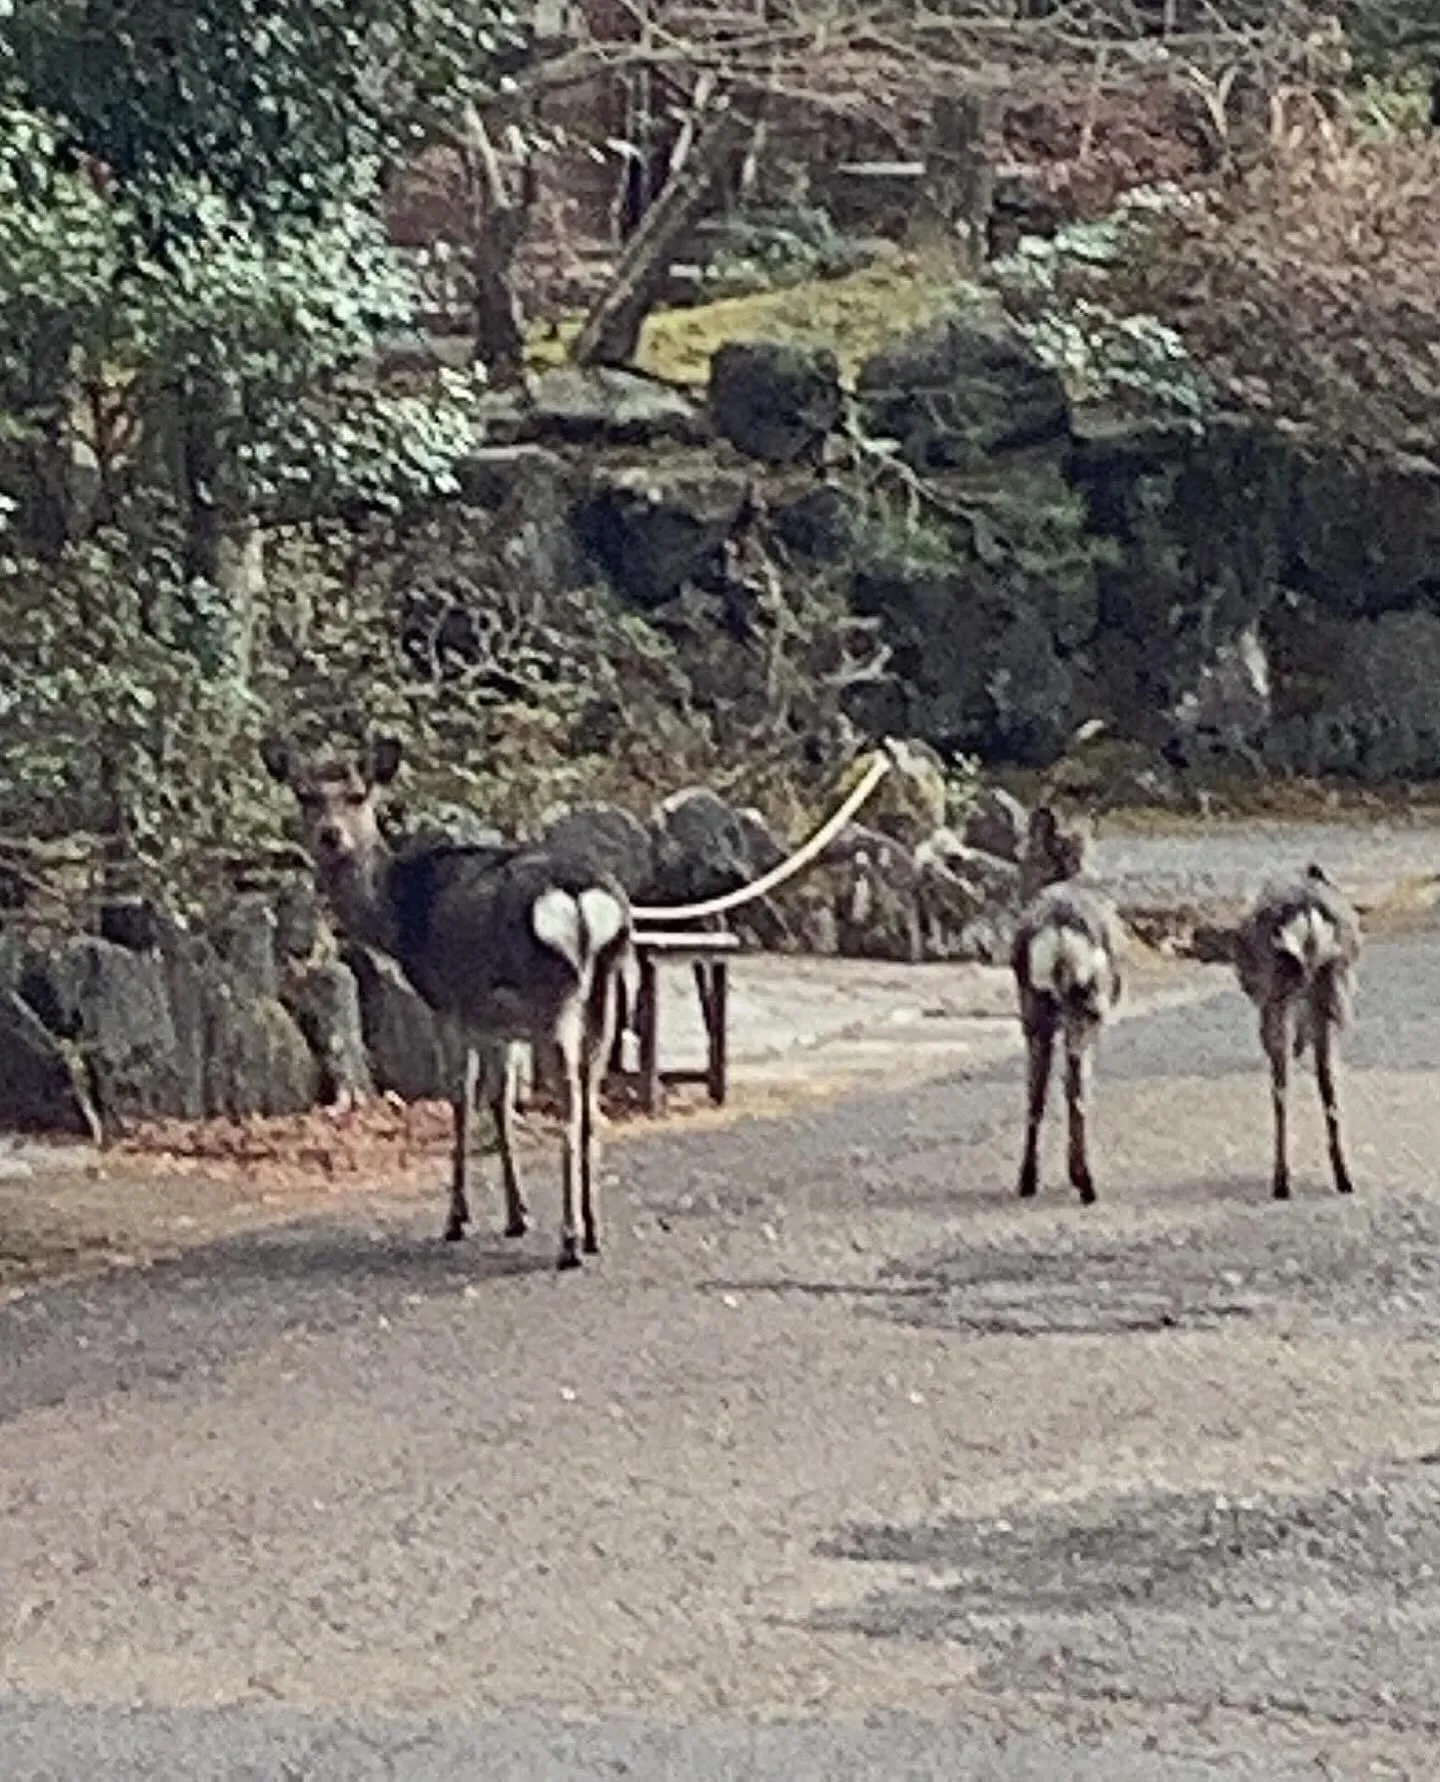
x: 1066, y: 961
x: 510, y: 945
x: 1296, y: 954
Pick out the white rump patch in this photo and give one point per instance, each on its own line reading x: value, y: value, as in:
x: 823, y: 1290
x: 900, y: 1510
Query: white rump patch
x: 1062, y: 959
x: 558, y: 925
x: 577, y: 927
x: 604, y: 917
x: 1309, y: 938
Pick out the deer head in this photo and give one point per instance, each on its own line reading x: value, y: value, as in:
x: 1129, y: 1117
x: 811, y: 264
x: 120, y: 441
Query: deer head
x: 1052, y: 852
x: 338, y: 802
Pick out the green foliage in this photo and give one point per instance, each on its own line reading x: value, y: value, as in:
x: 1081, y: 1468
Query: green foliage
x: 1390, y: 105
x: 766, y: 250
x: 270, y: 102
x: 193, y: 252
x: 1390, y: 38
x: 109, y: 724
x: 118, y: 721
x: 1058, y: 289
x: 889, y: 529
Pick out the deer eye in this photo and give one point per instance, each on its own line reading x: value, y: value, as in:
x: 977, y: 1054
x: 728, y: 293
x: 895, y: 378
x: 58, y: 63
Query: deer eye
x: 356, y: 799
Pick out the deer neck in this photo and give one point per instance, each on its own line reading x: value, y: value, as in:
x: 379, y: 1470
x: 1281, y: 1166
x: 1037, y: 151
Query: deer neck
x: 358, y: 892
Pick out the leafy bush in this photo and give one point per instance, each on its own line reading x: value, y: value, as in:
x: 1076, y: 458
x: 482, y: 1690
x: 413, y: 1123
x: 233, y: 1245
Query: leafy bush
x: 1307, y: 289
x: 765, y: 250
x: 1059, y: 290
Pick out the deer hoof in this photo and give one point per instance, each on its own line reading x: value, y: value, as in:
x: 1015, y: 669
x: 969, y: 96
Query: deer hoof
x: 569, y: 1256
x: 1281, y: 1190
x: 454, y: 1229
x: 1029, y: 1182
x: 1086, y: 1191
x: 517, y: 1227
x: 1343, y: 1185
x: 591, y: 1245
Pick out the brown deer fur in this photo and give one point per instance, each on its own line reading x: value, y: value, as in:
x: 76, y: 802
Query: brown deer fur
x: 1295, y: 955
x: 1066, y: 961
x: 509, y: 944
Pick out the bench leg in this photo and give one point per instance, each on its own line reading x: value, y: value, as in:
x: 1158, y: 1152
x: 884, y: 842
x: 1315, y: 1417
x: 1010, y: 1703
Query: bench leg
x: 647, y: 1021
x: 712, y: 983
x: 719, y: 1025
x: 616, y: 1065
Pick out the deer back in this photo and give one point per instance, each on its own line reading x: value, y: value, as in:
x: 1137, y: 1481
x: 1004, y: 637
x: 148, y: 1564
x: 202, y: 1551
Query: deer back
x: 465, y: 930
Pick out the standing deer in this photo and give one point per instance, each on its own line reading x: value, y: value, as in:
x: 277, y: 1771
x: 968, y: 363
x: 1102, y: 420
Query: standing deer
x: 1295, y: 956
x: 509, y: 944
x: 1066, y: 961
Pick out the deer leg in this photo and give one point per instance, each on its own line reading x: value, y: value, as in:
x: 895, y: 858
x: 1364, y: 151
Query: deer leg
x: 1325, y: 1076
x: 600, y: 1014
x: 1040, y: 1041
x: 569, y: 1041
x: 1275, y: 1033
x: 464, y: 1106
x: 502, y: 1107
x: 1078, y: 1042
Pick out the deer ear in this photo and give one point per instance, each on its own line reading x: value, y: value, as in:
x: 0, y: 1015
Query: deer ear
x: 275, y: 753
x: 385, y: 754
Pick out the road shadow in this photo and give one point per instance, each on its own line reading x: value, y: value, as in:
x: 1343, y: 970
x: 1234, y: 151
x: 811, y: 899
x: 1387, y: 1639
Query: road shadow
x: 1325, y: 1603
x: 1233, y: 1254
x: 211, y: 1306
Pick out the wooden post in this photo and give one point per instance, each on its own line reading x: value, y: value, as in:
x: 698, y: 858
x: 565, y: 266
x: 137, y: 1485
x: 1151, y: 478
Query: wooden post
x: 958, y: 192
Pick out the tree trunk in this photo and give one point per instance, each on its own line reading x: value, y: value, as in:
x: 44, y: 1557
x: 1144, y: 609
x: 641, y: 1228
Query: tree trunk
x: 497, y: 223
x: 224, y: 546
x: 612, y: 329
x: 41, y: 457
x: 495, y: 309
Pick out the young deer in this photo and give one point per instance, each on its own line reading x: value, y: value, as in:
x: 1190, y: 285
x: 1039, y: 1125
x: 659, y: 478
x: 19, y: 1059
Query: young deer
x: 1066, y: 961
x: 507, y: 943
x: 1295, y: 956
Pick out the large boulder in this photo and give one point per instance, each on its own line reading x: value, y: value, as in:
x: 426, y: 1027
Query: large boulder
x: 243, y: 933
x: 191, y: 972
x: 877, y: 913
x: 572, y: 405
x: 996, y: 823
x: 526, y: 493
x: 324, y: 1001
x: 981, y: 880
x: 703, y: 848
x: 411, y: 1054
x: 1228, y: 704
x: 773, y: 400
x: 605, y: 838
x: 1031, y: 690
x: 909, y: 802
x: 42, y: 1083
x: 960, y: 390
x: 256, y: 1058
x: 112, y: 1006
x: 1379, y: 717
x: 938, y: 635
x: 818, y: 524
x: 301, y: 927
x: 654, y: 528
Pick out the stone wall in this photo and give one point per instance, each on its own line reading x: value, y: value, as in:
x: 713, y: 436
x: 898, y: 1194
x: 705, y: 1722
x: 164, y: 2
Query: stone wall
x: 257, y: 1009
x: 1234, y: 590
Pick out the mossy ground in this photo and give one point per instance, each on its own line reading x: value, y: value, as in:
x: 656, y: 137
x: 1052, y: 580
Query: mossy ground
x: 854, y: 315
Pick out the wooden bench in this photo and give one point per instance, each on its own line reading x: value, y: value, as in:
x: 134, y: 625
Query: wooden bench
x: 708, y: 954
